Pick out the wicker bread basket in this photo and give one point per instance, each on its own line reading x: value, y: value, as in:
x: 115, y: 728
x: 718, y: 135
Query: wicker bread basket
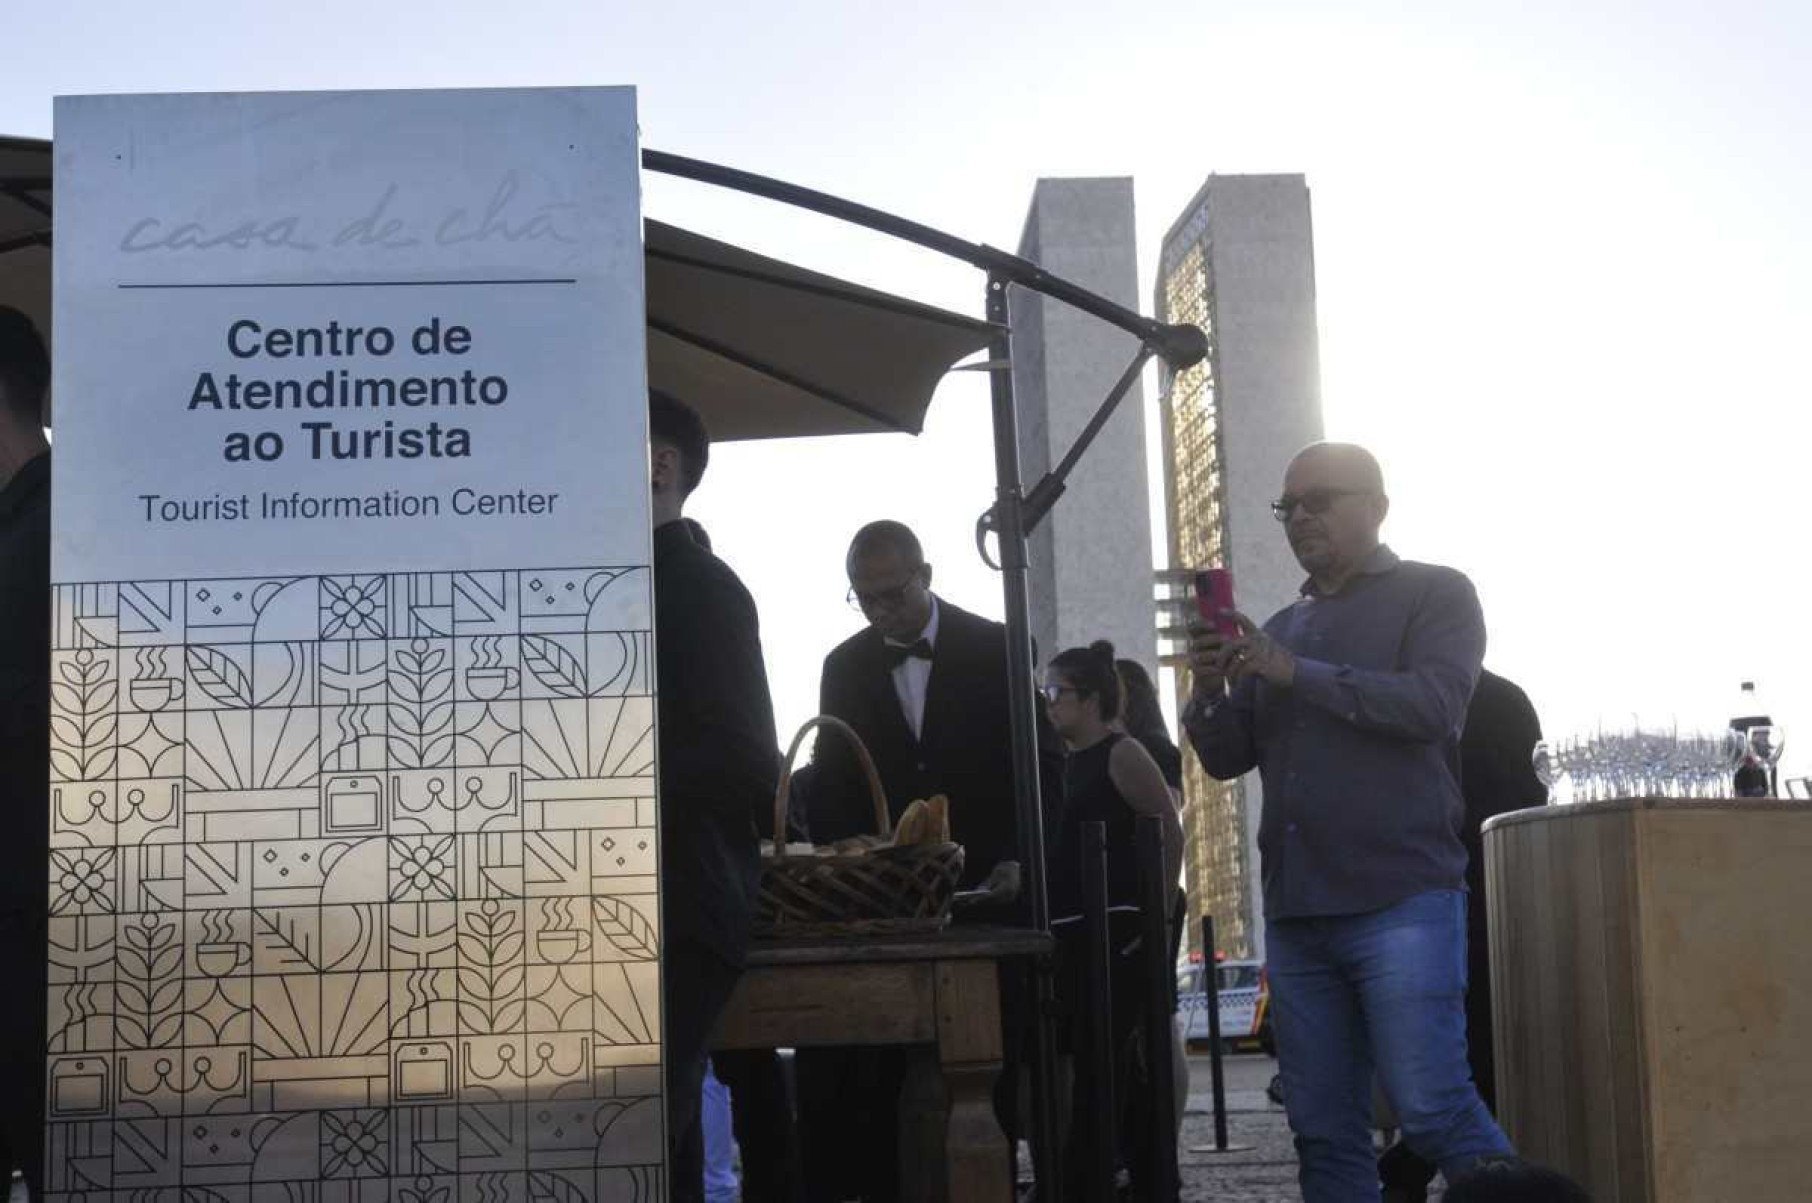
x: 885, y: 891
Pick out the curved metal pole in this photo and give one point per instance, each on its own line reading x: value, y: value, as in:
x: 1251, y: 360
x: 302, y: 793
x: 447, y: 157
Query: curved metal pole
x: 1179, y: 346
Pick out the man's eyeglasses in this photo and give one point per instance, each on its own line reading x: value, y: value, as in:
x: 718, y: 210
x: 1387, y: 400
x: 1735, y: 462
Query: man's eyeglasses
x: 888, y: 598
x: 1051, y: 693
x: 1315, y: 501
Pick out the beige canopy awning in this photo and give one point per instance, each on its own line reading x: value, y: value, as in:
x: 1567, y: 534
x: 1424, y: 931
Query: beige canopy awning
x: 765, y: 349
x: 762, y: 348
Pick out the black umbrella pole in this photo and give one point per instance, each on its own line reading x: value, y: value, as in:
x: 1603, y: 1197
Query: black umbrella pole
x: 1010, y: 529
x: 1211, y: 989
x: 1160, y: 981
x: 1095, y: 1061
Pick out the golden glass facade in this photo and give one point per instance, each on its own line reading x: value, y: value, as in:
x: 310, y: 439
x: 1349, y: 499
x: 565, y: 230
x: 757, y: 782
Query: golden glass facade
x: 1218, y: 869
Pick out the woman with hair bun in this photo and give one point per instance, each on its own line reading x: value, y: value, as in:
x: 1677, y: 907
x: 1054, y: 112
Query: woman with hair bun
x: 1108, y: 778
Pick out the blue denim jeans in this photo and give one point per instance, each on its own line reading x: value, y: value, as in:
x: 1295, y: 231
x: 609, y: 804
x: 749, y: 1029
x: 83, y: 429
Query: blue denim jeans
x: 1383, y: 992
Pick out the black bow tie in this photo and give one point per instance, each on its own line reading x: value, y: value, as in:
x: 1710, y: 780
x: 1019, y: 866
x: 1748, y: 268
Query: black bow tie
x: 898, y: 654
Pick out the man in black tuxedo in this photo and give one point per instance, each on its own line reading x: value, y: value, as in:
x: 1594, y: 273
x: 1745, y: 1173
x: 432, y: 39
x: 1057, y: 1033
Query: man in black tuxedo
x: 718, y: 767
x: 925, y: 686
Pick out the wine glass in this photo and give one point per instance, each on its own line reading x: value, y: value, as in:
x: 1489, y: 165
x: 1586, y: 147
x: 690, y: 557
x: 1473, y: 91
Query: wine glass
x: 1767, y: 742
x: 1734, y: 750
x: 1545, y: 757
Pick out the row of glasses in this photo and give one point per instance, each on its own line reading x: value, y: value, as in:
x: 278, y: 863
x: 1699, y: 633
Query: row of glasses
x: 1640, y: 762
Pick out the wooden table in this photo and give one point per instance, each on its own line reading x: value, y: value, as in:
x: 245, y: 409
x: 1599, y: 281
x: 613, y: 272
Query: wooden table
x: 1651, y: 984
x: 939, y: 995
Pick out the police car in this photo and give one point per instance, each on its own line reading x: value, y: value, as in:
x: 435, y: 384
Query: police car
x: 1245, y: 998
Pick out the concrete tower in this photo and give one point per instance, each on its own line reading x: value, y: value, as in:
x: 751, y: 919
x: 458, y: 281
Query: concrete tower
x: 1239, y: 262
x: 1091, y: 560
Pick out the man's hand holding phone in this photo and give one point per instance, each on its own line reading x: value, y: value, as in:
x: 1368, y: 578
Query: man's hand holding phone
x: 1224, y: 644
x: 1211, y: 631
x: 1207, y: 660
x: 1256, y: 654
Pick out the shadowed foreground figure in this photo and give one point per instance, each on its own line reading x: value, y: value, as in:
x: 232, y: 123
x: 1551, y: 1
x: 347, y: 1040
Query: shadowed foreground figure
x: 718, y: 767
x: 24, y: 740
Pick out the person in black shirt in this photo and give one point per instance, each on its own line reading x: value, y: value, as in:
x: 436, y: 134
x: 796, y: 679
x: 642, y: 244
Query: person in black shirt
x: 1496, y: 776
x: 1108, y: 779
x: 1142, y: 718
x: 718, y: 765
x: 24, y: 740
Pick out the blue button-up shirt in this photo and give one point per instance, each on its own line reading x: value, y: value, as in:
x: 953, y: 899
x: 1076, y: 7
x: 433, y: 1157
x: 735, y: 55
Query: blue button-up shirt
x: 1360, y: 756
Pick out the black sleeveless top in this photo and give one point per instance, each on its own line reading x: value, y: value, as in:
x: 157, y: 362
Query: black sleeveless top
x: 1090, y: 796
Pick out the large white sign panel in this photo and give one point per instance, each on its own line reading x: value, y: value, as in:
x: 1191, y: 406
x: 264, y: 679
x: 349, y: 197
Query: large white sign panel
x: 353, y: 881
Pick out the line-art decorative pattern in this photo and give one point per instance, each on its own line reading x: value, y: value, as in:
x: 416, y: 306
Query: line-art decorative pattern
x: 353, y: 890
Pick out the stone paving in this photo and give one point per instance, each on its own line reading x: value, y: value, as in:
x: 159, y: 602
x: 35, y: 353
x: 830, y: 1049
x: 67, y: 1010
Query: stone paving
x: 1260, y: 1164
x: 1259, y: 1168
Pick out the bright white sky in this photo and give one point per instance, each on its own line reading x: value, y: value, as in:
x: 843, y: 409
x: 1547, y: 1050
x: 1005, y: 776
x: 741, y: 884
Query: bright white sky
x: 1561, y: 251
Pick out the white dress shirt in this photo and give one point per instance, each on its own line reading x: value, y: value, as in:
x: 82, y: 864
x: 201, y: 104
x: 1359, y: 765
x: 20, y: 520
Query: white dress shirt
x: 913, y: 676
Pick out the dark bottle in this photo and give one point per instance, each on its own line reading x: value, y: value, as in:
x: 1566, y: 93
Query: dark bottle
x: 1752, y: 779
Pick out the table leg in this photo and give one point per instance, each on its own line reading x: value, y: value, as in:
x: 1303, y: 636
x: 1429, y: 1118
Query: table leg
x: 924, y: 1118
x: 968, y: 1024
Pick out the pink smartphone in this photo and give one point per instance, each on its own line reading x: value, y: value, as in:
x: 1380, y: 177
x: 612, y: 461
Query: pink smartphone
x: 1214, y: 593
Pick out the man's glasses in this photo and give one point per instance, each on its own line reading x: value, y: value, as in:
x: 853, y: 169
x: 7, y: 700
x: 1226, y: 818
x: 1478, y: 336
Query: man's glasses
x: 888, y: 598
x: 1315, y: 501
x: 1051, y: 693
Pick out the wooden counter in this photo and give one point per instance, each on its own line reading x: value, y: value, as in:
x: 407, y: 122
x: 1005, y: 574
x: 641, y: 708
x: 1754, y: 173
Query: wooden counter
x: 1652, y: 986
x: 938, y: 993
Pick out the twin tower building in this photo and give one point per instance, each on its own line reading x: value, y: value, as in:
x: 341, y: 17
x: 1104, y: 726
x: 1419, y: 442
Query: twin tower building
x: 1239, y: 263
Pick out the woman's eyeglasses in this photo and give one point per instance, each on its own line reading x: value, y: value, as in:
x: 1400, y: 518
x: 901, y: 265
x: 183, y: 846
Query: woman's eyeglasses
x: 1051, y: 693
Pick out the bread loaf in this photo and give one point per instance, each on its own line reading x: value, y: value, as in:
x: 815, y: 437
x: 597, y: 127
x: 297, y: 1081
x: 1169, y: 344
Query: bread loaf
x: 913, y: 824
x: 940, y: 820
x: 926, y: 821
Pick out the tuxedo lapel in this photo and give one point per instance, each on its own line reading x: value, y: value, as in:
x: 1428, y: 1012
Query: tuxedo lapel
x: 949, y: 666
x: 884, y: 702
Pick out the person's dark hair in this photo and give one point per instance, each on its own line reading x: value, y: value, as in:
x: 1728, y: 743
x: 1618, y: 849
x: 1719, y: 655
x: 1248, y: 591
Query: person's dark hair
x: 24, y: 365
x: 886, y: 535
x: 677, y: 424
x: 1513, y: 1181
x: 1139, y: 696
x: 1091, y: 670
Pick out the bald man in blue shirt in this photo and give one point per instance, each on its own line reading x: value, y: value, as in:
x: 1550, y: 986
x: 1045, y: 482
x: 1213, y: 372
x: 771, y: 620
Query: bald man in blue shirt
x: 1350, y: 702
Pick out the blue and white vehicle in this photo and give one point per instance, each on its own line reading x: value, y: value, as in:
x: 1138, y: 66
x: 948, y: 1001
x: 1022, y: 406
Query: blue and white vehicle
x: 1244, y: 1003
